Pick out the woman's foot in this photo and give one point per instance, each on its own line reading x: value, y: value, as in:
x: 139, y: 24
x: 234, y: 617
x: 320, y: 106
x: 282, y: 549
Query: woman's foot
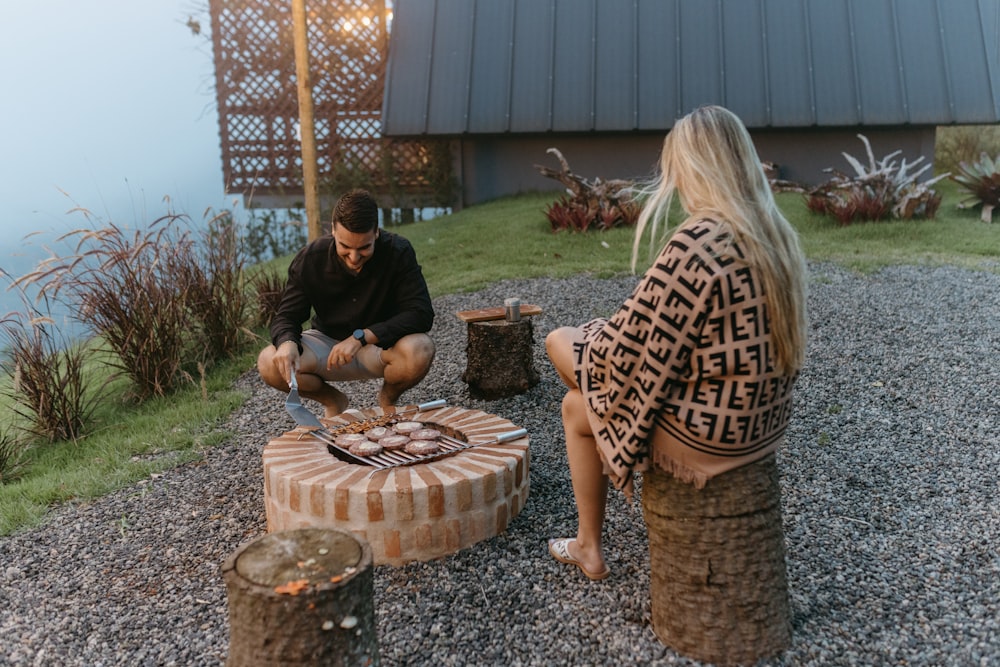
x: 562, y: 550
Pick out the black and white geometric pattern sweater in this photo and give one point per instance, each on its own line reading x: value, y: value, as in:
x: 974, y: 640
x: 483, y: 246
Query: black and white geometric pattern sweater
x: 682, y: 374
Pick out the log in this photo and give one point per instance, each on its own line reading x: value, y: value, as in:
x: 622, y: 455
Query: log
x: 718, y: 585
x: 582, y: 189
x: 500, y: 359
x: 301, y: 597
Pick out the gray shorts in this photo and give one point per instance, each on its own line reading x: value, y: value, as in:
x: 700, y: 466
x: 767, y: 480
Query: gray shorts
x: 367, y: 364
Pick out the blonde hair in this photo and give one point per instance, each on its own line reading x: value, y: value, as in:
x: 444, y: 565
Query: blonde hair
x: 709, y: 160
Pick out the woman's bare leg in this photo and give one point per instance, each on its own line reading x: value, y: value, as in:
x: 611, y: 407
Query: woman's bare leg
x: 590, y: 485
x: 559, y: 346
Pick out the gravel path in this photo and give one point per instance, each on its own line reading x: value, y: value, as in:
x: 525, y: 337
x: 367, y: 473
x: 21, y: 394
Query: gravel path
x: 889, y: 481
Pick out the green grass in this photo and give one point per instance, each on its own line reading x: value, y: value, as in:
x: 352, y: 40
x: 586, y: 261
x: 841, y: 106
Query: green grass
x: 507, y: 238
x: 956, y: 237
x: 510, y: 238
x: 131, y: 443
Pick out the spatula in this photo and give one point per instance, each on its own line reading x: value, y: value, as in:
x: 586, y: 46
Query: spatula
x: 294, y: 407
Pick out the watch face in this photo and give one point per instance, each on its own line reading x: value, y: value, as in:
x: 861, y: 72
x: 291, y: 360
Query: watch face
x: 359, y: 334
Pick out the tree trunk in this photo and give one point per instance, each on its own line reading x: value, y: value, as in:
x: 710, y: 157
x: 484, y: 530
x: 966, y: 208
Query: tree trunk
x: 301, y: 597
x: 717, y: 556
x: 500, y: 359
x: 307, y: 124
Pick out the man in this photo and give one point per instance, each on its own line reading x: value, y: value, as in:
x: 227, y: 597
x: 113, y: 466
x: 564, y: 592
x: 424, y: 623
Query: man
x: 372, y: 312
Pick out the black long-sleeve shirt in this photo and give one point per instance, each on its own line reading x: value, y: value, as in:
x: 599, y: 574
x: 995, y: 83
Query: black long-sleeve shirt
x: 389, y: 296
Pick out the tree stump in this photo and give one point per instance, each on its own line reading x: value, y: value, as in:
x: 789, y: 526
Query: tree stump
x: 301, y: 597
x: 718, y: 585
x: 500, y: 359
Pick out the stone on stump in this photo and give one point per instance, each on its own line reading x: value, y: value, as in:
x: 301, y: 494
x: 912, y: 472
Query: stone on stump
x: 500, y: 359
x: 718, y: 585
x: 301, y: 597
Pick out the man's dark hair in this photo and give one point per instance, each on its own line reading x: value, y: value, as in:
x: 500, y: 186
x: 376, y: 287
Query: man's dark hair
x: 357, y: 212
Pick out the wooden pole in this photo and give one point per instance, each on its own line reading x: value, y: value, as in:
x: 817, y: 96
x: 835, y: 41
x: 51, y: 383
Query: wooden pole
x: 307, y: 128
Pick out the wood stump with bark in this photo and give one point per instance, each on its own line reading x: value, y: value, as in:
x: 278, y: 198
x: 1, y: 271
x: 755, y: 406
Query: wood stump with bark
x: 718, y: 585
x: 500, y: 359
x: 301, y: 597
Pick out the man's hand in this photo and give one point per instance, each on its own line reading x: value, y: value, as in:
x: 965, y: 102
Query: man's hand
x: 286, y: 359
x: 343, y: 352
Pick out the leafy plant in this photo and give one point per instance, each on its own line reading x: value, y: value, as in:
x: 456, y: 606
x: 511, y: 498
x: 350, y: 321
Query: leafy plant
x: 269, y: 285
x: 880, y: 190
x: 598, y: 203
x: 49, y: 387
x: 133, y: 290
x: 11, y: 456
x: 980, y: 182
x: 955, y: 144
x: 268, y: 235
x: 216, y: 295
x: 567, y: 214
x: 402, y: 173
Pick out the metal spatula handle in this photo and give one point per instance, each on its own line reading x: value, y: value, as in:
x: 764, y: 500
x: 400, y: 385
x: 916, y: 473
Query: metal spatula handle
x: 294, y: 407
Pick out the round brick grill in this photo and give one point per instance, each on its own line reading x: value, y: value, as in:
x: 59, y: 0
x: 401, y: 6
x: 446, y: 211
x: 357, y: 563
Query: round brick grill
x: 406, y: 513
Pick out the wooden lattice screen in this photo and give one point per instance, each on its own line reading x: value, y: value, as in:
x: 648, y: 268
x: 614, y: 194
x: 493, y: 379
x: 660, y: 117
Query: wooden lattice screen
x: 258, y: 105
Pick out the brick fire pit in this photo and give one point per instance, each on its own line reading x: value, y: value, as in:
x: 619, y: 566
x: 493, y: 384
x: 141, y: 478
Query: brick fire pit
x: 408, y: 512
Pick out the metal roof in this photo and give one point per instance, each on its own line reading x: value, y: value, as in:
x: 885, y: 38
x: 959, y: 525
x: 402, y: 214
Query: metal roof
x: 535, y: 66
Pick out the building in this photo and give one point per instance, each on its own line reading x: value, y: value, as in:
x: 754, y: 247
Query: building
x: 604, y: 80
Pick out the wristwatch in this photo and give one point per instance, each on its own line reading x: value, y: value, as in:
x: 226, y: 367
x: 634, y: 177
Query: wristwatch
x: 360, y: 335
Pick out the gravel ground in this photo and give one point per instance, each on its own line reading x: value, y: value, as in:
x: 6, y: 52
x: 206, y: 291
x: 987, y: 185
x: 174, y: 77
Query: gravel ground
x: 889, y: 486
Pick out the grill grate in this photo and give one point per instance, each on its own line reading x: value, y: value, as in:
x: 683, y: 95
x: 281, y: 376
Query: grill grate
x: 447, y: 446
x: 451, y: 441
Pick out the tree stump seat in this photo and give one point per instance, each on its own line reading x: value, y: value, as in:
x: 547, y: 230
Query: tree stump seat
x: 499, y: 352
x: 301, y: 597
x: 718, y: 585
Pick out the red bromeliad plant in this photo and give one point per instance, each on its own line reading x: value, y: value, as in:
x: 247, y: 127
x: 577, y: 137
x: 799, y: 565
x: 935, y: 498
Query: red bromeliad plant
x: 880, y: 191
x: 567, y: 214
x: 598, y: 204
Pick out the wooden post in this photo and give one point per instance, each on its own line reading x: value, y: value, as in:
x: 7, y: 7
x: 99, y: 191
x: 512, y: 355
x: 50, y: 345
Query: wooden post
x: 718, y: 585
x: 307, y: 127
x: 500, y: 352
x: 500, y: 359
x: 301, y: 597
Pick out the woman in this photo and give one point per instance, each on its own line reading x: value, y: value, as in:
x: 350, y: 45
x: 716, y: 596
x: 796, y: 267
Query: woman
x: 694, y: 371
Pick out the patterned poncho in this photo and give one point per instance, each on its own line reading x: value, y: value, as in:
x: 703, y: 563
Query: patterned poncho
x: 682, y: 374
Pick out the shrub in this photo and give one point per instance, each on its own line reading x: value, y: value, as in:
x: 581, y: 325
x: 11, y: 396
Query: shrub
x: 269, y: 285
x: 11, y: 456
x: 216, y: 294
x: 598, y: 204
x: 269, y: 235
x: 49, y: 386
x: 963, y: 143
x: 880, y: 191
x: 567, y: 214
x: 980, y: 182
x: 132, y: 290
